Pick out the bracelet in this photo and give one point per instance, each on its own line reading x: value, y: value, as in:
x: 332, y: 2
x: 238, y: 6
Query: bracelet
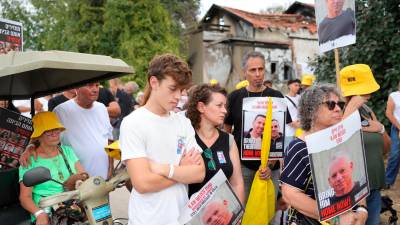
x: 171, y: 171
x: 37, y: 213
x: 382, y: 130
x: 360, y: 208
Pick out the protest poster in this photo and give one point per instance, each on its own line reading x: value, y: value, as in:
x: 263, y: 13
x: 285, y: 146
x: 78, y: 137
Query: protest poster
x: 253, y: 117
x: 11, y: 36
x: 214, y: 203
x: 336, y: 23
x: 15, y: 132
x: 338, y: 167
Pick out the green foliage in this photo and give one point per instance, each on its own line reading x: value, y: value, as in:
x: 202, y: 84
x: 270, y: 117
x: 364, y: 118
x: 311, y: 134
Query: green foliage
x: 378, y: 45
x: 133, y: 30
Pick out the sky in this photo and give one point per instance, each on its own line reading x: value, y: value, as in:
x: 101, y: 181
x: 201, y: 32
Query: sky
x: 247, y: 5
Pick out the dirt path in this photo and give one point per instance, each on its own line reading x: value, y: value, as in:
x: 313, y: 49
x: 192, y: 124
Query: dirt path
x: 394, y: 194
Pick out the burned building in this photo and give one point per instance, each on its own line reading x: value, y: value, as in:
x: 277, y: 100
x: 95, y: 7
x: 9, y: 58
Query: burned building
x: 288, y: 40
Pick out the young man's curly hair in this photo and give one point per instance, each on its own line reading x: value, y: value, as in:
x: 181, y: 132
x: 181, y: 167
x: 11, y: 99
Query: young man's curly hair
x: 201, y: 93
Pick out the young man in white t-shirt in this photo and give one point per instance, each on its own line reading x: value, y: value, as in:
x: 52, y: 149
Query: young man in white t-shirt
x: 292, y: 101
x: 159, y: 147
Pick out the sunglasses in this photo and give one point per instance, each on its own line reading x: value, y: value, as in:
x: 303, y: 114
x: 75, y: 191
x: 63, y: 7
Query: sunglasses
x: 332, y: 104
x: 211, y: 163
x: 52, y: 132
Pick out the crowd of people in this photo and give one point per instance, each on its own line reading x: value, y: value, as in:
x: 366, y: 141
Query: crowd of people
x: 176, y: 137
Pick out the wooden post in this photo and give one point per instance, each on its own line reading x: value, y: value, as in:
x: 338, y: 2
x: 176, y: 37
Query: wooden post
x: 337, y: 66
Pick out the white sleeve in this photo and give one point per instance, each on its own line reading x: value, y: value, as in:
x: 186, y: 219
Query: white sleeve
x: 131, y: 141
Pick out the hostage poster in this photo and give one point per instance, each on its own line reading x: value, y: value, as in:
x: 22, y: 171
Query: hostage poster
x: 253, y: 117
x: 215, y: 203
x: 338, y: 167
x: 15, y: 131
x: 11, y: 36
x: 336, y: 23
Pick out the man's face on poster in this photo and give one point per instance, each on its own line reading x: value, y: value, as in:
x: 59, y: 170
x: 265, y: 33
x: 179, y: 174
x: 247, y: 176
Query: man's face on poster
x: 341, y: 176
x: 216, y: 213
x: 334, y: 7
x: 275, y: 129
x: 258, y: 126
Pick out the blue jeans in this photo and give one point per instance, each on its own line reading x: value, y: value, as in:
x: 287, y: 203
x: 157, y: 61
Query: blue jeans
x: 374, y: 205
x: 393, y: 163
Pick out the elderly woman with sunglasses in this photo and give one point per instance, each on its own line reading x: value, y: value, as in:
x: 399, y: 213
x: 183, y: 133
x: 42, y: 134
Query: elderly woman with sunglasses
x: 319, y: 107
x: 207, y: 109
x: 60, y: 160
x: 357, y: 84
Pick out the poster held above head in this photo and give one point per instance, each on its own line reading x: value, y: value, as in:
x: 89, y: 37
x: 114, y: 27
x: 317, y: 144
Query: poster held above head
x: 338, y: 167
x: 11, y: 36
x: 336, y: 23
x: 254, y: 118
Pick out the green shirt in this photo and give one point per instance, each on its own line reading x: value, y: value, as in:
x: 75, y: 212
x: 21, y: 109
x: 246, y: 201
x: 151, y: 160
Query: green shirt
x: 373, y: 144
x: 57, y: 166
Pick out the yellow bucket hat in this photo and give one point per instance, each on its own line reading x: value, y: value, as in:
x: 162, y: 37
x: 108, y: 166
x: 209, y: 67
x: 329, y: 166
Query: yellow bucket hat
x: 44, y: 121
x: 242, y: 84
x: 357, y: 80
x: 307, y: 79
x: 113, y: 150
x: 213, y: 82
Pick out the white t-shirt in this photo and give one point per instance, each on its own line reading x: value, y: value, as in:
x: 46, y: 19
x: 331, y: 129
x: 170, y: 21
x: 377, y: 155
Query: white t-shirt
x: 290, y: 131
x: 396, y: 99
x: 88, y: 132
x: 23, y: 103
x: 161, y: 139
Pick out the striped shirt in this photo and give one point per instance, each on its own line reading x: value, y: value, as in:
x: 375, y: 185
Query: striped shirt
x: 297, y: 170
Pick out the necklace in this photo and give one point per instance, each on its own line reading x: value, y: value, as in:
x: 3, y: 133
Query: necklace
x: 261, y: 93
x: 57, y: 163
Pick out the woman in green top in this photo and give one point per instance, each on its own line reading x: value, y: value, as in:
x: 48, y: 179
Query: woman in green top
x: 357, y: 84
x: 60, y: 160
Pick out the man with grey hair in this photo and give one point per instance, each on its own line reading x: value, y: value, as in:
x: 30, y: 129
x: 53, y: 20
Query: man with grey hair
x: 253, y: 67
x: 340, y: 178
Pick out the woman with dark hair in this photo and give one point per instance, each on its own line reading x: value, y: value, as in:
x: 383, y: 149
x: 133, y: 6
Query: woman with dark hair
x: 207, y: 109
x: 319, y: 107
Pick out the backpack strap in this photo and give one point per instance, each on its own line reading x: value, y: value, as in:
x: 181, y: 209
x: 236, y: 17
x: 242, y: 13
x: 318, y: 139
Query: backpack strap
x: 291, y: 101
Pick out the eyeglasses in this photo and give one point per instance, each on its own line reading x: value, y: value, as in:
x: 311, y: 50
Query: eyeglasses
x: 211, y: 163
x: 332, y: 104
x: 52, y: 132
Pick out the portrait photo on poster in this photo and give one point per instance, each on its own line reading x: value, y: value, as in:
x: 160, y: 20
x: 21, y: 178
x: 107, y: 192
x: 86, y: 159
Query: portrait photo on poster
x: 253, y: 129
x: 254, y: 114
x: 340, y: 177
x: 336, y: 23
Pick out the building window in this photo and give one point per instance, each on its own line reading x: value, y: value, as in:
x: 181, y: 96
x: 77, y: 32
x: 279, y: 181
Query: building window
x: 287, y: 72
x: 273, y: 67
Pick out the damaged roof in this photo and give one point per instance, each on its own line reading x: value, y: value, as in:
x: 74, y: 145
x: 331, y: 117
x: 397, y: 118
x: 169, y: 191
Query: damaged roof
x: 265, y: 20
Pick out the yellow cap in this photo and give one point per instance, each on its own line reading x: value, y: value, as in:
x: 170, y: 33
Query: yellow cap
x: 113, y: 150
x: 307, y: 79
x: 357, y: 80
x: 242, y: 84
x: 213, y: 82
x: 44, y: 121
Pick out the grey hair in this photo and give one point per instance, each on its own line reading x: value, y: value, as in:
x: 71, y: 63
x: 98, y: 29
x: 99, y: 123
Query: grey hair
x: 251, y: 54
x: 310, y: 101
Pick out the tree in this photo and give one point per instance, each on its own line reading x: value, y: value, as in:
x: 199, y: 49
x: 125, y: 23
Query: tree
x: 378, y: 45
x: 134, y: 30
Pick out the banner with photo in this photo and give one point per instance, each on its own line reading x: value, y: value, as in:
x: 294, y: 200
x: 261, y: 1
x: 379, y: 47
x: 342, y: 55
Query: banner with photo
x: 11, y: 36
x: 336, y: 23
x: 215, y: 203
x: 253, y: 117
x: 338, y: 166
x: 15, y: 132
